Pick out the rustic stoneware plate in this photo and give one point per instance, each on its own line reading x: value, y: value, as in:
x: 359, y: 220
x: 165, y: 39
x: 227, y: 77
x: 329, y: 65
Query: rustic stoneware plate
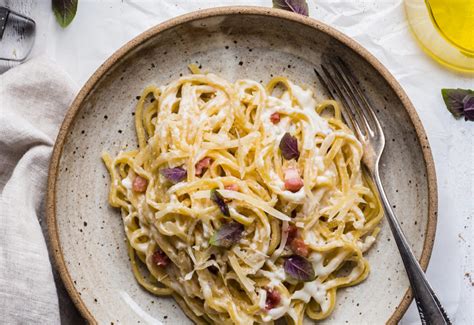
x: 257, y: 43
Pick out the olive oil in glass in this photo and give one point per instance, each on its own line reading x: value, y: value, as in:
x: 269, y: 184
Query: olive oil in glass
x: 445, y: 30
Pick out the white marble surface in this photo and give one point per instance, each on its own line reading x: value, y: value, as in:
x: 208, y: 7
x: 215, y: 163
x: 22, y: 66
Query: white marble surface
x: 101, y: 27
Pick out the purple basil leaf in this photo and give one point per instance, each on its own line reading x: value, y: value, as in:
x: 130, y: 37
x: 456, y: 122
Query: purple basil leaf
x: 299, y: 268
x: 297, y: 6
x: 468, y: 103
x: 174, y: 175
x: 217, y: 197
x: 289, y: 147
x: 454, y: 100
x: 228, y: 235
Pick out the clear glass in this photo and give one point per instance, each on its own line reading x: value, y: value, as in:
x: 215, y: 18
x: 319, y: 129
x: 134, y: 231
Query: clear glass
x: 17, y: 34
x: 445, y: 30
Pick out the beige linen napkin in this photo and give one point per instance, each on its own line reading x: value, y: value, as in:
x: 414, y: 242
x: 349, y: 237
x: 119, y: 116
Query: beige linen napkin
x: 33, y: 100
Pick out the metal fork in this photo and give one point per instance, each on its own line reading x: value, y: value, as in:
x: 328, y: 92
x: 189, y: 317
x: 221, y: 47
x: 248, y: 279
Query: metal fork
x: 360, y: 116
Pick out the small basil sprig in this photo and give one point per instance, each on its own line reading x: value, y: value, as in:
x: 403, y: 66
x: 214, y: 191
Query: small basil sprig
x: 297, y: 6
x: 217, y: 197
x: 227, y: 235
x: 299, y: 268
x: 289, y: 147
x: 460, y: 102
x: 65, y: 11
x: 174, y: 175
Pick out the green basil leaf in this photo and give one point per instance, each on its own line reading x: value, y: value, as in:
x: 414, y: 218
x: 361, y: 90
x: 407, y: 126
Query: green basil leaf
x: 65, y: 11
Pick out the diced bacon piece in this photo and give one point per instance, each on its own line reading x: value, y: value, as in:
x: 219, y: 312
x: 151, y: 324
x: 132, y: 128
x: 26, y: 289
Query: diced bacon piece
x: 159, y: 258
x: 202, y: 165
x: 275, y: 118
x: 299, y: 247
x: 293, y: 181
x: 232, y: 187
x: 273, y: 299
x: 292, y: 234
x: 139, y: 184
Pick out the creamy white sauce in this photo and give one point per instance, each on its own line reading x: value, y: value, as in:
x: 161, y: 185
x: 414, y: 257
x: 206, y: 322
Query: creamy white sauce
x: 308, y: 104
x: 262, y: 298
x: 279, y: 311
x: 297, y: 197
x: 276, y: 277
x: 127, y: 183
x: 317, y: 259
x: 316, y: 290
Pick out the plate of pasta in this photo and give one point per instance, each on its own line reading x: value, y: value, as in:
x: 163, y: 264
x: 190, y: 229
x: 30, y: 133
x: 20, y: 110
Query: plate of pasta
x: 202, y: 175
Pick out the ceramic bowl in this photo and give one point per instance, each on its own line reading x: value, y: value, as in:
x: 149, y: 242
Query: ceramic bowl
x: 236, y: 42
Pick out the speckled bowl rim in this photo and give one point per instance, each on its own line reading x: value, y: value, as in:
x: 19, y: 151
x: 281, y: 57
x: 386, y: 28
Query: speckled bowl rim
x: 224, y: 11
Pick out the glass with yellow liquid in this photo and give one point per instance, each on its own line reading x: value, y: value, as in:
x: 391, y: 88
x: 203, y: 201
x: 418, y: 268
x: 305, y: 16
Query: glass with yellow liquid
x: 445, y: 30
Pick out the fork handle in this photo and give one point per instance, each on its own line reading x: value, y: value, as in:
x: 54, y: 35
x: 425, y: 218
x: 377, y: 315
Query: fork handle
x: 429, y: 307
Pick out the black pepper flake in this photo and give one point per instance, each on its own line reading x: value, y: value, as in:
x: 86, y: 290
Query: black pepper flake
x: 138, y: 97
x: 82, y: 132
x: 105, y: 117
x: 121, y: 78
x: 120, y: 131
x: 152, y: 65
x: 85, y: 224
x: 235, y: 42
x: 152, y: 100
x: 241, y: 63
x: 133, y: 113
x: 226, y: 47
x: 165, y: 317
x: 200, y: 66
x: 289, y: 66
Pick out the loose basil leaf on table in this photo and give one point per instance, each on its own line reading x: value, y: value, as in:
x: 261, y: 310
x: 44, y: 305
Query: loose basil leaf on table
x: 460, y: 102
x: 65, y: 11
x: 297, y: 6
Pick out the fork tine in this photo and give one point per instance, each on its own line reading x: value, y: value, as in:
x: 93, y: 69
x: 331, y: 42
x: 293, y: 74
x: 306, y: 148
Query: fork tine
x: 359, y: 93
x: 324, y: 82
x: 359, y: 114
x: 349, y: 115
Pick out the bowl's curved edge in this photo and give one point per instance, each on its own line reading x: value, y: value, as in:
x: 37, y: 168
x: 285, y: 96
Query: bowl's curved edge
x: 60, y: 264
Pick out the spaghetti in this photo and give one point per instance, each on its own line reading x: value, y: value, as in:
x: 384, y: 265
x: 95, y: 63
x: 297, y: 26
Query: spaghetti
x: 245, y: 203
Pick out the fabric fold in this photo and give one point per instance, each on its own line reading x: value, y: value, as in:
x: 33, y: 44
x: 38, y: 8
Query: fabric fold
x: 33, y: 100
